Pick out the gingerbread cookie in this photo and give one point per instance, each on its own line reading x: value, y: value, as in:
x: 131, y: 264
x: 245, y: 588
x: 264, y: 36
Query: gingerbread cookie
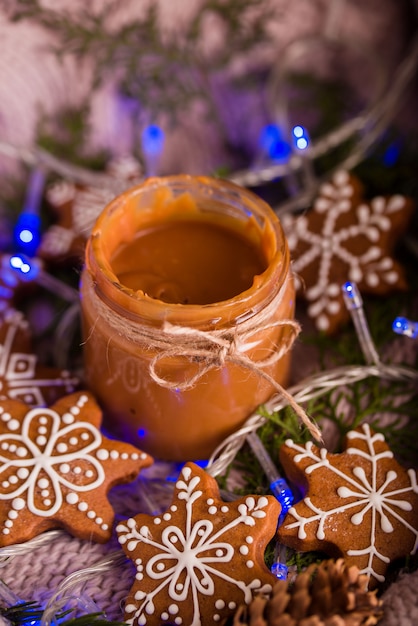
x: 22, y: 377
x: 77, y: 208
x: 346, y: 238
x: 202, y: 558
x: 56, y: 469
x: 359, y: 504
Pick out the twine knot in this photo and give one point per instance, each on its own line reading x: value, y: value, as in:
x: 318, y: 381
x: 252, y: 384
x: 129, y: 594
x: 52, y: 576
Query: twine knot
x: 212, y: 349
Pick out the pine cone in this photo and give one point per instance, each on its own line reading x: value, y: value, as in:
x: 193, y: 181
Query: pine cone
x: 328, y: 594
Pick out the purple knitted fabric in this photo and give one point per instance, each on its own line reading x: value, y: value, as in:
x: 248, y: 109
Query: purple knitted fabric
x: 37, y: 573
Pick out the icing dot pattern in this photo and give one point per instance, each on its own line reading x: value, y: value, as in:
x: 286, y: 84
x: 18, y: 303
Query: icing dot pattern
x: 343, y: 237
x: 190, y: 564
x: 369, y: 513
x: 56, y: 469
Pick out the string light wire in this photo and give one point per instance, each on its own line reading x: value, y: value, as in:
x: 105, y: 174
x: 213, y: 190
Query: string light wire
x: 368, y: 125
x: 69, y: 587
x: 9, y: 552
x: 354, y: 304
x: 308, y: 389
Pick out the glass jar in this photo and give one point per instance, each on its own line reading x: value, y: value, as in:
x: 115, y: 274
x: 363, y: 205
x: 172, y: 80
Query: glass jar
x: 176, y: 375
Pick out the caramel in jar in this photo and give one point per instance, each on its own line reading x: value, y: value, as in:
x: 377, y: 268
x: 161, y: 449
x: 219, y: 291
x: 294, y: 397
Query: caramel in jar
x: 201, y: 256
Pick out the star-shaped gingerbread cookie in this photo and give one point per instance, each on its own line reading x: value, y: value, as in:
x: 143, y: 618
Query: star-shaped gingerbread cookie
x: 359, y: 504
x: 77, y: 208
x: 22, y: 376
x: 344, y: 238
x: 201, y: 558
x: 56, y: 468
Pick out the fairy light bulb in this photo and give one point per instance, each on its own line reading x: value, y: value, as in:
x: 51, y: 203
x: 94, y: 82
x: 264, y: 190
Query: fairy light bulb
x: 273, y: 145
x: 404, y: 326
x: 278, y: 485
x: 300, y: 137
x: 27, y: 231
x: 152, y: 139
x: 351, y: 295
x: 280, y: 570
x: 26, y: 268
x: 30, y: 270
x: 354, y: 305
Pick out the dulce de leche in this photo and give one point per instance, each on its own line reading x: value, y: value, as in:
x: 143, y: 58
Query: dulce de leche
x: 187, y: 307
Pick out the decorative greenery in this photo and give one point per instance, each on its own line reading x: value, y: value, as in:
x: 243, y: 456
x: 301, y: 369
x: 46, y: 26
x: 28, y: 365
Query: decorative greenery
x: 390, y: 408
x: 92, y: 618
x: 66, y: 135
x: 31, y: 613
x: 162, y: 71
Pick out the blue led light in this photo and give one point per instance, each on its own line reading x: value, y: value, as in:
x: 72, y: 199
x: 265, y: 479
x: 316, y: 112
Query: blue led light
x: 27, y: 233
x: 153, y: 140
x: 403, y: 326
x: 348, y: 287
x: 301, y: 137
x: 391, y: 155
x: 280, y: 570
x: 26, y: 236
x: 272, y: 143
x: 141, y: 432
x: 351, y: 295
x: 26, y: 268
x: 302, y: 143
x: 282, y: 492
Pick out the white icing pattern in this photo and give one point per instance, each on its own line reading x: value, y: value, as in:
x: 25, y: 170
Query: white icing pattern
x: 187, y: 560
x: 85, y: 206
x: 370, y: 493
x: 19, y: 378
x: 48, y: 460
x: 330, y: 246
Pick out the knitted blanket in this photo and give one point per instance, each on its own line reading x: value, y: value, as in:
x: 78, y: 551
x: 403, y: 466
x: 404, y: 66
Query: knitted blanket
x: 37, y: 573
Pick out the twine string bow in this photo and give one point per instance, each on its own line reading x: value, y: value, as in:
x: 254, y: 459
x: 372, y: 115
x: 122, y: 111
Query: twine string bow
x: 213, y: 349
x: 209, y: 350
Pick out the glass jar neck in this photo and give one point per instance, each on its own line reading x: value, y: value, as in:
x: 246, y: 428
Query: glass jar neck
x: 157, y: 200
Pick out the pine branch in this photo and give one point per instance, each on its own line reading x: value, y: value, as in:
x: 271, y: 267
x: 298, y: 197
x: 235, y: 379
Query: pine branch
x: 31, y: 612
x: 163, y: 71
x: 23, y: 613
x: 92, y: 618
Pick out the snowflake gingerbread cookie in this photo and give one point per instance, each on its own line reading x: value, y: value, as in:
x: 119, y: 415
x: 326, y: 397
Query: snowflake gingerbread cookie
x: 202, y: 558
x: 56, y: 469
x: 77, y: 208
x: 22, y: 377
x: 346, y: 238
x: 359, y: 504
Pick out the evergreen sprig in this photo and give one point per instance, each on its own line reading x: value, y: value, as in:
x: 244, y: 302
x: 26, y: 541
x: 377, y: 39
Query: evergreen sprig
x: 22, y: 613
x: 162, y: 71
x: 97, y: 619
x: 30, y: 613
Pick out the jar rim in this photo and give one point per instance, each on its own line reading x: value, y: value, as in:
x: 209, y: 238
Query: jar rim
x: 134, y: 305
